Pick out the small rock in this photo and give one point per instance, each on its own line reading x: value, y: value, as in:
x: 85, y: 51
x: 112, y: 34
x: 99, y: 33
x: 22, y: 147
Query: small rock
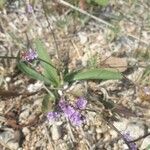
x: 24, y: 115
x: 116, y: 147
x: 98, y: 136
x: 13, y: 146
x: 136, y: 130
x: 37, y: 102
x: 85, y: 59
x: 99, y: 130
x: 119, y: 64
x: 56, y: 132
x: 83, y: 37
x: 25, y: 131
x: 121, y: 126
x: 35, y: 87
x: 6, y: 136
x: 62, y: 146
x: 2, y: 104
x: 106, y: 137
x: 8, y: 79
x: 78, y: 90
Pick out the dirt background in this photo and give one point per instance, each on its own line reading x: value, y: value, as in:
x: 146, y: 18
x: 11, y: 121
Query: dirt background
x: 117, y: 38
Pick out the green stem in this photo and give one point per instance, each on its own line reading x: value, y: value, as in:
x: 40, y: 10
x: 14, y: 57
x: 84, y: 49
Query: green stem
x: 13, y: 57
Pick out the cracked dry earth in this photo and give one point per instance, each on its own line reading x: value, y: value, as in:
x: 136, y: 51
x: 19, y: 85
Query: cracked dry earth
x: 125, y: 48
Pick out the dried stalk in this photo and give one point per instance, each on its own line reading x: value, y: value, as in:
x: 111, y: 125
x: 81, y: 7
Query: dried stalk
x: 85, y: 13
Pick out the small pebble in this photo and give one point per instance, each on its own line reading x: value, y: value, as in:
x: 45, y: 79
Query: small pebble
x: 98, y: 136
x: 8, y: 79
x: 56, y: 132
x: 13, y: 146
x: 24, y: 115
x: 99, y: 130
x: 106, y: 137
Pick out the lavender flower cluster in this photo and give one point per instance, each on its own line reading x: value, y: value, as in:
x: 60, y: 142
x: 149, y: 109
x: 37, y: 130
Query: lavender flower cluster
x: 71, y: 112
x: 30, y: 8
x: 129, y: 138
x: 29, y: 55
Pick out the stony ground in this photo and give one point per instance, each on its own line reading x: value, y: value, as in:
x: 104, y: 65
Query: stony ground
x: 118, y: 38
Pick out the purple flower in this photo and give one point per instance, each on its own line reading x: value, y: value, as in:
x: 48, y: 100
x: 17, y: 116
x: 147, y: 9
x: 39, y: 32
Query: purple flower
x: 29, y: 55
x: 29, y: 8
x: 63, y: 104
x: 147, y: 90
x: 76, y: 118
x: 71, y: 113
x: 81, y: 103
x: 66, y: 108
x: 129, y: 138
x: 51, y: 116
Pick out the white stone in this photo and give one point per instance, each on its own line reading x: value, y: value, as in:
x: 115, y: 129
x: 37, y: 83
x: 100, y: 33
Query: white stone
x: 13, y: 146
x: 25, y: 131
x: 37, y: 102
x: 136, y: 130
x: 121, y: 126
x: 2, y: 104
x: 99, y: 130
x: 35, y: 87
x: 56, y: 132
x: 6, y: 136
x: 24, y: 115
x: 60, y: 92
x: 83, y: 37
x: 106, y: 137
x: 8, y: 79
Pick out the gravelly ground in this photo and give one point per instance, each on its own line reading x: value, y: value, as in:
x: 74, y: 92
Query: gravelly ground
x: 90, y: 43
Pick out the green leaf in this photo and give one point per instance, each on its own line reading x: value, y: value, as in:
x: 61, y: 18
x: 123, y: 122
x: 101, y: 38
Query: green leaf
x: 2, y: 3
x: 145, y: 77
x: 49, y: 71
x: 48, y: 102
x: 147, y: 71
x: 148, y: 147
x: 31, y: 72
x: 69, y: 77
x: 102, y: 2
x: 95, y: 74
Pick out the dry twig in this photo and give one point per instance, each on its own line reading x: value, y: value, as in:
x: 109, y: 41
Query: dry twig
x: 85, y: 13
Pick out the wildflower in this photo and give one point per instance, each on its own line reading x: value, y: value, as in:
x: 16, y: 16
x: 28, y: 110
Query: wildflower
x: 73, y: 115
x: 129, y: 138
x: 51, y: 116
x: 63, y: 104
x: 69, y: 111
x: 66, y: 108
x: 81, y: 103
x: 76, y: 118
x: 147, y: 90
x: 29, y: 55
x: 29, y: 8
